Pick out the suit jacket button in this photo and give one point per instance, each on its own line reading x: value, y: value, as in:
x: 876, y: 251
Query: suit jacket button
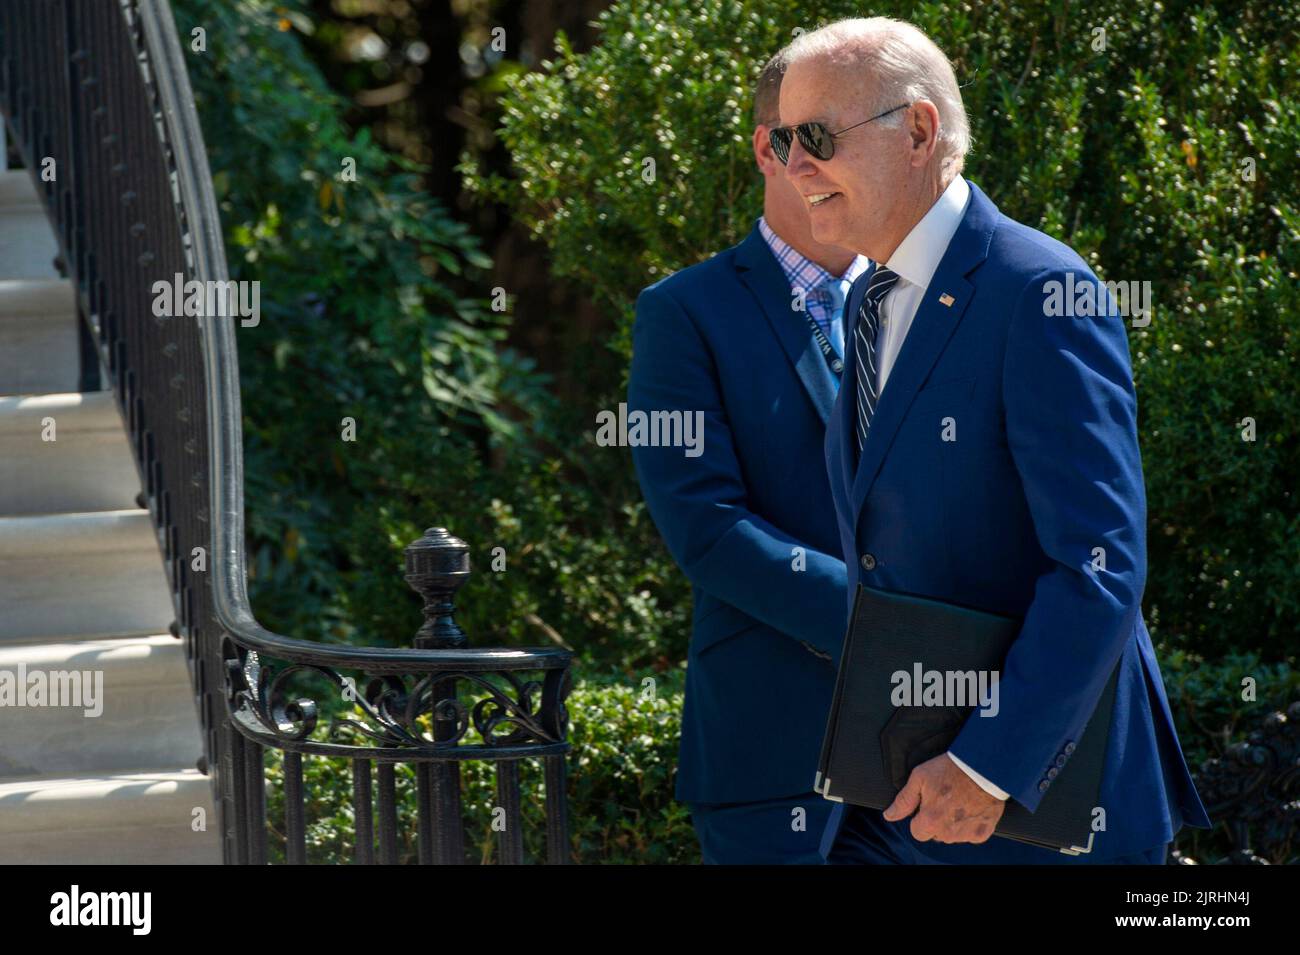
x: 1069, y: 748
x: 1042, y: 787
x: 868, y: 562
x: 1051, y: 773
x: 1060, y: 761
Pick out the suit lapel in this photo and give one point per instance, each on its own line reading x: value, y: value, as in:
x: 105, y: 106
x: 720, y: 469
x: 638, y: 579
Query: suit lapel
x: 931, y: 329
x: 762, y: 274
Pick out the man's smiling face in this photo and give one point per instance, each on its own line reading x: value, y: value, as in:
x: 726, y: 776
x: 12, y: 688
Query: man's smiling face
x: 850, y: 196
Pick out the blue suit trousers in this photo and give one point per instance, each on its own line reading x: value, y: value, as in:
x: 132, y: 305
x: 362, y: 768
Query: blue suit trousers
x: 764, y: 832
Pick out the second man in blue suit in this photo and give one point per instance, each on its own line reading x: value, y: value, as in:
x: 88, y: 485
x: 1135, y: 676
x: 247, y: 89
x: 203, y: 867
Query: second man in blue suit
x: 752, y: 340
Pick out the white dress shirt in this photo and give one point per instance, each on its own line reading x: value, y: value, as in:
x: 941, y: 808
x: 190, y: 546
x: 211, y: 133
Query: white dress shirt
x: 915, y: 261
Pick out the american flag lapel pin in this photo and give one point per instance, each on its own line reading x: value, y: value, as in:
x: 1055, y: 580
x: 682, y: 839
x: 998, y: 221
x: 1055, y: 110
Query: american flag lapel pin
x: 946, y: 300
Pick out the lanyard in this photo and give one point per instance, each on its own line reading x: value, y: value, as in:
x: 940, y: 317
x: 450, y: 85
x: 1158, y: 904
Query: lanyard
x: 833, y: 361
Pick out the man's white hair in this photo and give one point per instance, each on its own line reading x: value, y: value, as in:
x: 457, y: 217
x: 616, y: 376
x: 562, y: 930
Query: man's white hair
x: 905, y: 66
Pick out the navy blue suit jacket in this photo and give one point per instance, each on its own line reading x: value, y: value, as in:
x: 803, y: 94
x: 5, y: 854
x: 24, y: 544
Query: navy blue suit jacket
x: 1042, y: 482
x: 750, y: 521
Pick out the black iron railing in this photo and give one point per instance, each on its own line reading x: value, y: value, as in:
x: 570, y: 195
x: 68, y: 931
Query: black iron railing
x: 99, y: 87
x: 1253, y: 791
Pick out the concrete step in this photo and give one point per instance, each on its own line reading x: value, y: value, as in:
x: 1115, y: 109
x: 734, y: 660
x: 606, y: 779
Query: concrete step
x: 88, y: 467
x: 39, y: 348
x: 17, y: 188
x: 139, y: 818
x: 69, y: 576
x: 27, y: 244
x: 109, y: 705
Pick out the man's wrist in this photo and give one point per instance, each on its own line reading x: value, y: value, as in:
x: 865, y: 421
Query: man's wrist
x: 980, y: 781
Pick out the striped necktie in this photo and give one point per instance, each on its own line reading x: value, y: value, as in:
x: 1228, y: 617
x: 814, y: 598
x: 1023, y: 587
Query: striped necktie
x: 864, y: 347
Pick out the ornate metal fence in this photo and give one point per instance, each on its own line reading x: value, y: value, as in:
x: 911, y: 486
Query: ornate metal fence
x: 97, y: 91
x: 1253, y: 790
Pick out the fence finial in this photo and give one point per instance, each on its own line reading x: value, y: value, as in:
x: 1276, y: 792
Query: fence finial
x: 437, y: 565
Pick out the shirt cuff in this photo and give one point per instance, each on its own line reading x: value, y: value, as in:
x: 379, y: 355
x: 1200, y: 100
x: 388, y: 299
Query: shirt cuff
x: 980, y: 781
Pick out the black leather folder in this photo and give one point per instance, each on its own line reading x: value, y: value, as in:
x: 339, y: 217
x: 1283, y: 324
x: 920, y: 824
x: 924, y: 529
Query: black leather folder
x: 876, y: 733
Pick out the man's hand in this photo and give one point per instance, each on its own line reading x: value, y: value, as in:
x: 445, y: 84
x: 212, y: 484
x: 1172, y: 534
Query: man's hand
x: 949, y: 806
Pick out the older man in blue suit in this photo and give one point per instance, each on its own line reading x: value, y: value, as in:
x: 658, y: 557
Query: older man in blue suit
x: 752, y: 341
x: 983, y: 450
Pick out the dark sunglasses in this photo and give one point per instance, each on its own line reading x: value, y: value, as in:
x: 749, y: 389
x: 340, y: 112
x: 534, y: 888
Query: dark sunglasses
x: 814, y: 137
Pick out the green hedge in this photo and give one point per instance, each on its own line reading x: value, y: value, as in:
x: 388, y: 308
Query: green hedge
x: 1132, y: 154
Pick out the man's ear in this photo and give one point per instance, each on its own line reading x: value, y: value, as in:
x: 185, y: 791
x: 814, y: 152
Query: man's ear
x: 764, y: 158
x: 923, y: 128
